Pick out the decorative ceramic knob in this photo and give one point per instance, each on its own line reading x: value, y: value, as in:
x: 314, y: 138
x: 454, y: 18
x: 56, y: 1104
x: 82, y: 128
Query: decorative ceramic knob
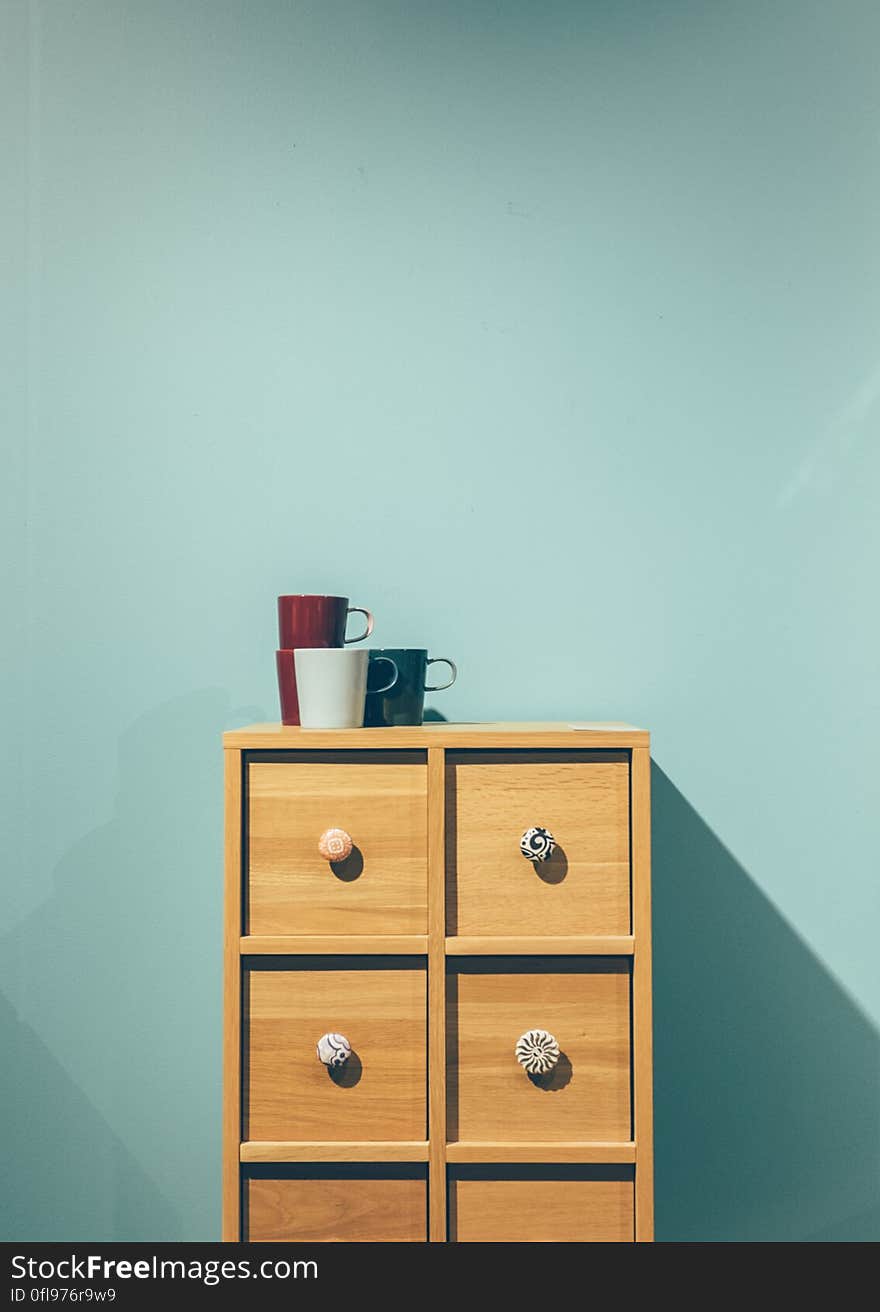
x: 537, y: 844
x: 333, y: 1049
x: 335, y: 845
x: 537, y: 1052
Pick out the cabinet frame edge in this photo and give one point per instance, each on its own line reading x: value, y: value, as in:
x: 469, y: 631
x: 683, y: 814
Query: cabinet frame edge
x: 233, y: 818
x: 642, y: 1039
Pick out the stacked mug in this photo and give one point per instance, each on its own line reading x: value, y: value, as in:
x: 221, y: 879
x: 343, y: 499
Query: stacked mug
x: 324, y: 685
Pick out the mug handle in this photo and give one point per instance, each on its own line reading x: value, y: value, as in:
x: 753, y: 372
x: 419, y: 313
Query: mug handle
x: 386, y: 687
x: 359, y: 610
x: 443, y: 660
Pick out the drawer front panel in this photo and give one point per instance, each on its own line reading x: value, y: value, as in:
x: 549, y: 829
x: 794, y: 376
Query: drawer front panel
x: 548, y: 1206
x: 289, y: 1095
x: 380, y: 800
x: 585, y: 1004
x: 582, y: 798
x: 346, y: 1208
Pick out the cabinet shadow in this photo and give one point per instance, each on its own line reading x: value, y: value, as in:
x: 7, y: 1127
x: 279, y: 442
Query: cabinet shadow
x: 767, y: 1075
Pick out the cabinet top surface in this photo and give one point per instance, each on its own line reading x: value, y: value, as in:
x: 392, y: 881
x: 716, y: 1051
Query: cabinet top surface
x: 502, y: 733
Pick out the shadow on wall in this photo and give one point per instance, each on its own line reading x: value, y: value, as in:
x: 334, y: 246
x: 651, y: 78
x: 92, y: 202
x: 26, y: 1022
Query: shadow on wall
x: 767, y: 1078
x: 67, y: 1175
x: 110, y: 1021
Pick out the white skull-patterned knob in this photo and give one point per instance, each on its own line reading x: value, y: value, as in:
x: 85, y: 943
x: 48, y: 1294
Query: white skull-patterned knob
x: 537, y: 844
x: 333, y: 1049
x: 537, y: 1052
x: 335, y: 845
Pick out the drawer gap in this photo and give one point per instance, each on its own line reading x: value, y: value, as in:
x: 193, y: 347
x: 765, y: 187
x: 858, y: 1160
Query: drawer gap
x: 540, y: 1171
x: 334, y: 1171
x: 343, y: 759
x: 551, y: 965
x: 349, y: 961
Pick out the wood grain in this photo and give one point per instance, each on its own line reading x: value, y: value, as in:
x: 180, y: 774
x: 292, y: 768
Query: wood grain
x: 341, y: 1151
x: 292, y: 1096
x: 231, y: 996
x: 582, y: 798
x: 522, y: 1211
x: 579, y: 945
x: 537, y: 1151
x: 381, y: 889
x: 436, y: 997
x: 307, y: 945
x: 588, y: 1095
x: 643, y: 1095
x: 502, y: 733
x: 349, y: 1211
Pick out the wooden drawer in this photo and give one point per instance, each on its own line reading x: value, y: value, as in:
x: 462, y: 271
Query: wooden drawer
x: 379, y: 1004
x: 585, y: 1004
x: 380, y: 799
x: 341, y: 1203
x: 492, y: 798
x: 519, y: 1204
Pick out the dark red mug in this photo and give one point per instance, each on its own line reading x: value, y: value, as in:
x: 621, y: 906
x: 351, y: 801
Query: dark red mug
x: 305, y: 621
x: 287, y: 687
x: 308, y: 621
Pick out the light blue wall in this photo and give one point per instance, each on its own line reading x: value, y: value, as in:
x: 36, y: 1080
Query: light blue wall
x: 550, y: 332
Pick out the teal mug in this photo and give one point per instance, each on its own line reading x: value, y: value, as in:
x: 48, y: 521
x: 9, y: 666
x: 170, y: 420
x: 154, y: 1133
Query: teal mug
x: 404, y: 701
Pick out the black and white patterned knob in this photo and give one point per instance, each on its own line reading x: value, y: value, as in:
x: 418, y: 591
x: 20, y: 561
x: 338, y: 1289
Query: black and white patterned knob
x: 537, y: 1052
x: 334, y: 1050
x: 537, y: 844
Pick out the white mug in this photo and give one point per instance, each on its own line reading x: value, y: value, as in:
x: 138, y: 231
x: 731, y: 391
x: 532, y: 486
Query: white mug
x: 331, y: 684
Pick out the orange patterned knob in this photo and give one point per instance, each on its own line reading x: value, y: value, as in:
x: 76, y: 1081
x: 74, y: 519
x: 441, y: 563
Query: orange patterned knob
x: 335, y: 845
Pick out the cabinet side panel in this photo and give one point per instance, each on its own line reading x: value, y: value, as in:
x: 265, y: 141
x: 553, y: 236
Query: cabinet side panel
x: 643, y: 1093
x: 437, y: 994
x: 232, y: 997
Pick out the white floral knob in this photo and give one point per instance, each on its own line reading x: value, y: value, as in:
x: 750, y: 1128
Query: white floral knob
x: 537, y: 844
x: 537, y: 1052
x: 335, y: 845
x: 333, y: 1049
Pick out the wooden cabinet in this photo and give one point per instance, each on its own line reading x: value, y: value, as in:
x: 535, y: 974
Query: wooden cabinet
x: 430, y: 952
